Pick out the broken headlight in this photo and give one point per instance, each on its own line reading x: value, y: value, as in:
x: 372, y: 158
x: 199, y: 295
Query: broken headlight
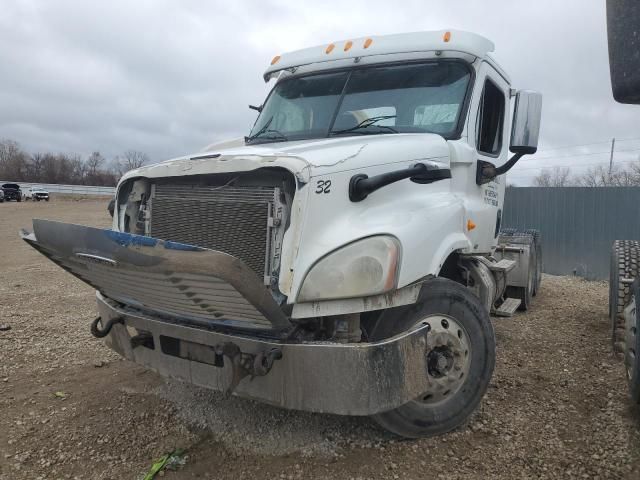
x: 363, y: 268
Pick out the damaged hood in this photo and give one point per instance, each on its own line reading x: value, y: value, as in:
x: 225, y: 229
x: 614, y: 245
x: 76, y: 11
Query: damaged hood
x: 306, y: 158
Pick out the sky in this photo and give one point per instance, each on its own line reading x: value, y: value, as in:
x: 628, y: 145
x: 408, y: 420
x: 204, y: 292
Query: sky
x: 167, y: 78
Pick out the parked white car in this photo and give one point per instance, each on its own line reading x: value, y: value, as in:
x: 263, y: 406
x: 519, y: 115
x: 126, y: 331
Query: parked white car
x: 36, y: 194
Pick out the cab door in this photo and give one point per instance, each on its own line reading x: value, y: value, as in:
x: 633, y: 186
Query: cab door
x: 488, y: 135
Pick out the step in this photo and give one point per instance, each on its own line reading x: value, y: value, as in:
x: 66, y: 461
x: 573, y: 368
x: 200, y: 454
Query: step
x: 508, y: 307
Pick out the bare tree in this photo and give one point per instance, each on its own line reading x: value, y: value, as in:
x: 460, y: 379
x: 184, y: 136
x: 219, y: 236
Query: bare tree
x: 18, y: 166
x: 556, y: 177
x: 35, y: 167
x: 129, y: 160
x: 13, y: 161
x: 79, y: 170
x: 94, y: 162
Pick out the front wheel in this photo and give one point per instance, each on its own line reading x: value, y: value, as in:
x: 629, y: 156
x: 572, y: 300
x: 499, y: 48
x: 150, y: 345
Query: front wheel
x: 460, y: 358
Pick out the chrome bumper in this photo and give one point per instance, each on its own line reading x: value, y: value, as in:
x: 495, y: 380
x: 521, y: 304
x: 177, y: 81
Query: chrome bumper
x: 344, y: 379
x: 168, y: 278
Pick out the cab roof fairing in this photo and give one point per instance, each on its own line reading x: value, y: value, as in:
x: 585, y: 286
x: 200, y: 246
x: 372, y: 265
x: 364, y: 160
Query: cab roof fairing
x: 403, y: 43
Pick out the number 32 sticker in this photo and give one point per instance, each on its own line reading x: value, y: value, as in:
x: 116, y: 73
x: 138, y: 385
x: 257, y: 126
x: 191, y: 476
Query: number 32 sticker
x: 323, y: 186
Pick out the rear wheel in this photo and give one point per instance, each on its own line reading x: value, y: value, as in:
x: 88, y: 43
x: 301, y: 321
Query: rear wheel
x: 460, y: 356
x: 625, y: 255
x: 632, y: 343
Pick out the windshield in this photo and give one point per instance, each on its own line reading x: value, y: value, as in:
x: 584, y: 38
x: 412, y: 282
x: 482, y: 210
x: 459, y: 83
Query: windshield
x: 410, y: 98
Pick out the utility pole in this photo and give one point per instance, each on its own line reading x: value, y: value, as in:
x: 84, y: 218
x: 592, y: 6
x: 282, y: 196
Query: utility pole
x: 613, y: 144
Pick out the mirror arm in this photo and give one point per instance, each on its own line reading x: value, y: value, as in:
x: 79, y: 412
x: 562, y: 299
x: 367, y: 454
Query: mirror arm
x: 487, y: 171
x: 257, y: 109
x: 361, y: 185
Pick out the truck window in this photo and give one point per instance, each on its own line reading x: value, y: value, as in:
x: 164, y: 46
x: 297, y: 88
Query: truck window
x: 410, y: 98
x: 490, y: 119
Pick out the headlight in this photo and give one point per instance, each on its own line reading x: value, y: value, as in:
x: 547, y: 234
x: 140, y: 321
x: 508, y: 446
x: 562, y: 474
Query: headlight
x: 362, y: 268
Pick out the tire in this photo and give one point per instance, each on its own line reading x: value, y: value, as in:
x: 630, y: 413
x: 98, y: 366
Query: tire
x: 632, y: 345
x: 46, y: 199
x: 537, y: 240
x: 439, y: 298
x: 625, y: 257
x: 19, y: 199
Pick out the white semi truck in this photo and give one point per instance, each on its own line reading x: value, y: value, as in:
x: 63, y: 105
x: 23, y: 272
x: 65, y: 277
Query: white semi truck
x: 345, y: 256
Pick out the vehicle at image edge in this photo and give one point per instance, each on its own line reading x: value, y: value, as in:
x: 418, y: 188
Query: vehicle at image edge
x: 12, y: 192
x: 345, y: 256
x: 36, y: 194
x: 1, y: 195
x: 623, y: 19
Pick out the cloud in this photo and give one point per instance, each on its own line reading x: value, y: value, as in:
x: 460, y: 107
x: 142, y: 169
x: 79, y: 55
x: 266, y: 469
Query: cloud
x: 170, y: 77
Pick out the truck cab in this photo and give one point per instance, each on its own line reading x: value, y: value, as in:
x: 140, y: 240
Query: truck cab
x: 345, y: 255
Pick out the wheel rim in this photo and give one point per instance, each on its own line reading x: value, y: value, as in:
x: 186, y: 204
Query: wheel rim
x: 448, y: 358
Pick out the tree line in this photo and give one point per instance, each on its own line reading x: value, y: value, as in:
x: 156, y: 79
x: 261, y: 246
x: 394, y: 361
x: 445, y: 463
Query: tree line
x: 17, y: 165
x: 599, y: 176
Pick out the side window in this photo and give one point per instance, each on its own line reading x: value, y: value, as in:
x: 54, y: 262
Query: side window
x: 490, y: 119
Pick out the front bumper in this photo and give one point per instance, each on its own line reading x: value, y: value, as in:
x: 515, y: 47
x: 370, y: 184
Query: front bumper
x: 204, y: 317
x: 344, y: 379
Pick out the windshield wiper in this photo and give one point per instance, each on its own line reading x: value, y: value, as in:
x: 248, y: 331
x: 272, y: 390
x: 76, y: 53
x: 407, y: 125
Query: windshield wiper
x: 368, y: 122
x: 265, y: 129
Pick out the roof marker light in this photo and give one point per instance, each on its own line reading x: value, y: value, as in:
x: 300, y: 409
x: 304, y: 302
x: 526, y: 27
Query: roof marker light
x: 447, y: 36
x: 275, y: 60
x: 330, y: 48
x: 348, y: 45
x: 368, y: 42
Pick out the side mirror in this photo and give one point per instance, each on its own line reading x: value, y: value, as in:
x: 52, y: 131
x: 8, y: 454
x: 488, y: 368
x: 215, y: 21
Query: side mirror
x: 623, y: 18
x: 525, y: 128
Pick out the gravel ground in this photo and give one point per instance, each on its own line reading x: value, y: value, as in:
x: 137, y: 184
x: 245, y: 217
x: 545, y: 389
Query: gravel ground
x: 70, y: 408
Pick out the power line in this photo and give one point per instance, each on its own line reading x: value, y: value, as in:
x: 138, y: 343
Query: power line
x: 580, y: 154
x: 542, y: 167
x: 637, y: 139
x: 571, y: 166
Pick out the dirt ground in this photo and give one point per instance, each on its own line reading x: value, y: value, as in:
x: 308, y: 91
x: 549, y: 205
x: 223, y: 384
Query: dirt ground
x: 71, y: 409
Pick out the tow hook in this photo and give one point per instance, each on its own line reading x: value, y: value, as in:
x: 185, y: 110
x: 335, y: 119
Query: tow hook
x: 246, y: 364
x: 101, y: 333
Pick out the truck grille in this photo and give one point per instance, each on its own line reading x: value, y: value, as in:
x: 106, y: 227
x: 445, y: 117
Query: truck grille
x: 233, y: 220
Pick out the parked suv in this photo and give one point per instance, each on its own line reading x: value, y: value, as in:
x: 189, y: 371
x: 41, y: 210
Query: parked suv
x: 36, y: 194
x: 12, y: 192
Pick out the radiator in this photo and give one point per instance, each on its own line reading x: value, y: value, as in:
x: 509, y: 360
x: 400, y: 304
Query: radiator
x: 233, y: 220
